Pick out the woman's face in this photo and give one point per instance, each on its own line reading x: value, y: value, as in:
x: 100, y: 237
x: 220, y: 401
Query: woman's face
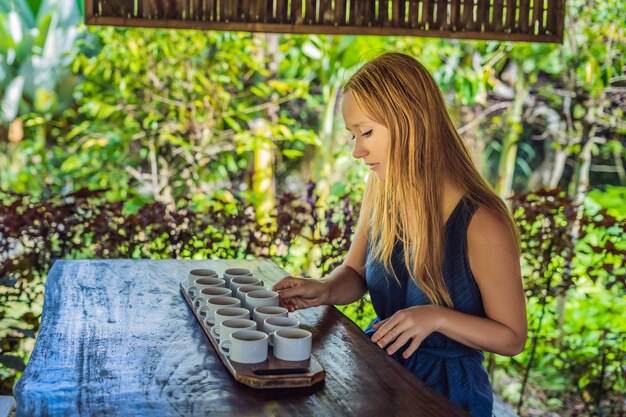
x: 370, y: 139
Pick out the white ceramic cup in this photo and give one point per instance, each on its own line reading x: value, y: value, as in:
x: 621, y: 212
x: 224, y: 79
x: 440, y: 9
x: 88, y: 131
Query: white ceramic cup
x: 260, y: 298
x: 231, y: 273
x: 215, y: 304
x: 227, y: 313
x: 264, y: 312
x: 229, y: 326
x: 194, y: 274
x: 237, y: 282
x: 242, y: 291
x: 206, y: 282
x: 207, y: 293
x: 292, y: 344
x: 271, y: 324
x: 245, y: 346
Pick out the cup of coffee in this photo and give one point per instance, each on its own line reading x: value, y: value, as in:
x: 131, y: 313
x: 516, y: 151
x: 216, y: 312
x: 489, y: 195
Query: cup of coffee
x: 261, y: 313
x: 245, y: 346
x: 242, y: 291
x: 193, y: 275
x: 227, y: 313
x: 206, y: 282
x: 292, y: 344
x: 215, y: 304
x: 207, y: 293
x: 237, y: 282
x: 260, y: 298
x: 271, y: 324
x: 235, y: 272
x: 229, y: 326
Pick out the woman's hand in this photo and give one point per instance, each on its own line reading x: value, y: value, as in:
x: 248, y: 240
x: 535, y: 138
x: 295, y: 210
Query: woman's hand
x: 298, y: 293
x: 414, y: 323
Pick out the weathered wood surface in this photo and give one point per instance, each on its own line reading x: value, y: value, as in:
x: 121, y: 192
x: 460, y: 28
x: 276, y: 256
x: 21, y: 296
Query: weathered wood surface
x: 117, y: 339
x: 293, y: 375
x: 6, y: 405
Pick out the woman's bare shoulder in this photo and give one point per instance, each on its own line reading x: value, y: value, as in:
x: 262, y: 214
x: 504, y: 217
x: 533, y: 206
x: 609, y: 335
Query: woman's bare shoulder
x: 487, y: 230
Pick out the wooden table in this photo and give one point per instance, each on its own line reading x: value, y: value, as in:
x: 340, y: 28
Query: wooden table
x: 117, y: 339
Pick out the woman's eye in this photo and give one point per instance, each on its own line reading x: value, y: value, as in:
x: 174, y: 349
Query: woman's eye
x: 367, y: 134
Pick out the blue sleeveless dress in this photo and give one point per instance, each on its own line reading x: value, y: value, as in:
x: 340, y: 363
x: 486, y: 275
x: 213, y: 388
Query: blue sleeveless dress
x: 449, y: 367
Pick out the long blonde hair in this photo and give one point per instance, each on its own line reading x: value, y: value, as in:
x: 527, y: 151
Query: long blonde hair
x: 395, y: 90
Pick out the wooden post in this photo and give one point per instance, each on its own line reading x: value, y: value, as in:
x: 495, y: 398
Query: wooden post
x: 297, y: 15
x: 442, y: 14
x: 559, y: 18
x: 413, y: 14
x: 384, y: 13
x: 497, y: 15
x: 523, y: 16
x: 90, y: 8
x: 340, y: 12
x: 510, y: 16
x: 537, y: 20
x: 357, y: 12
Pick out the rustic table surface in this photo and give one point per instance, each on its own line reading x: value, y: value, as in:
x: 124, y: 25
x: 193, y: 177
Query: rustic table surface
x: 118, y: 339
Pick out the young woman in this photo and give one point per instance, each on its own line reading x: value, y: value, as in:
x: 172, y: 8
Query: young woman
x: 435, y: 247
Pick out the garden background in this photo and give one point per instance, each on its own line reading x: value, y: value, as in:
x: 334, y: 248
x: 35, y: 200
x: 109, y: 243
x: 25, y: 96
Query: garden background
x: 148, y: 143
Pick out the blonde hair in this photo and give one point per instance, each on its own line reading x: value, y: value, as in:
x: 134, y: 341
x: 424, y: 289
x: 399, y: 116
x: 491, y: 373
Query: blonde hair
x: 395, y: 90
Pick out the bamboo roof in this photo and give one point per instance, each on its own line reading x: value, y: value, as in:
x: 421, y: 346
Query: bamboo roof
x: 513, y: 20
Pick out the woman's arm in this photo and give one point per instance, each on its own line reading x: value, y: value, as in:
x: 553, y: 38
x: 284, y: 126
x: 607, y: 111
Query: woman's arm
x: 343, y: 286
x: 495, y: 265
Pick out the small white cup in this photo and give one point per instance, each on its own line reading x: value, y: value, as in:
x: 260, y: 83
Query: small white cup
x: 260, y: 298
x: 242, y: 291
x: 194, y: 274
x: 227, y: 313
x: 264, y: 312
x: 207, y: 293
x: 206, y: 282
x: 229, y: 326
x: 214, y: 304
x: 292, y: 344
x: 271, y: 324
x: 235, y: 272
x: 245, y: 346
x: 244, y: 282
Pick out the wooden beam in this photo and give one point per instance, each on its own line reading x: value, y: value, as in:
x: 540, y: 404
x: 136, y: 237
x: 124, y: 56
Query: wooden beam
x: 462, y: 19
x: 317, y: 29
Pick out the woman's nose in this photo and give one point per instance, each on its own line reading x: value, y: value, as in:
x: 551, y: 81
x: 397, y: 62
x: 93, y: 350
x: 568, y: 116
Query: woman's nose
x: 359, y: 151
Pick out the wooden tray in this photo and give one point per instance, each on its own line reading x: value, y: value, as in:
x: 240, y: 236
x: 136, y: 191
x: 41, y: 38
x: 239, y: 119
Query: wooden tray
x: 273, y: 372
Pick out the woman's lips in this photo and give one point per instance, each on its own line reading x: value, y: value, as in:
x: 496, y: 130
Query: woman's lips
x: 373, y: 166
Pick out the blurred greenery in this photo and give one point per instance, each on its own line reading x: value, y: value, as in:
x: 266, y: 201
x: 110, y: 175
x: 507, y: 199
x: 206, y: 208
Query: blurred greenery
x: 177, y: 122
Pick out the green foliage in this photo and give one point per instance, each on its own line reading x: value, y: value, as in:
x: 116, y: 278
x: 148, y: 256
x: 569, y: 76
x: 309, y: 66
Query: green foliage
x: 575, y: 279
x: 36, y: 48
x: 612, y: 199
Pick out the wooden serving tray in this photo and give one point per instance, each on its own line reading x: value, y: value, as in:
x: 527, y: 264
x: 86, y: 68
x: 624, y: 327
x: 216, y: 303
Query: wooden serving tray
x: 273, y: 372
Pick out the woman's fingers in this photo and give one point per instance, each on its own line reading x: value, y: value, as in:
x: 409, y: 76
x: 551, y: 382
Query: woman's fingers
x: 288, y: 287
x: 284, y: 303
x: 399, y: 342
x: 380, y: 323
x: 284, y: 282
x: 297, y: 293
x: 415, y: 343
x: 291, y: 292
